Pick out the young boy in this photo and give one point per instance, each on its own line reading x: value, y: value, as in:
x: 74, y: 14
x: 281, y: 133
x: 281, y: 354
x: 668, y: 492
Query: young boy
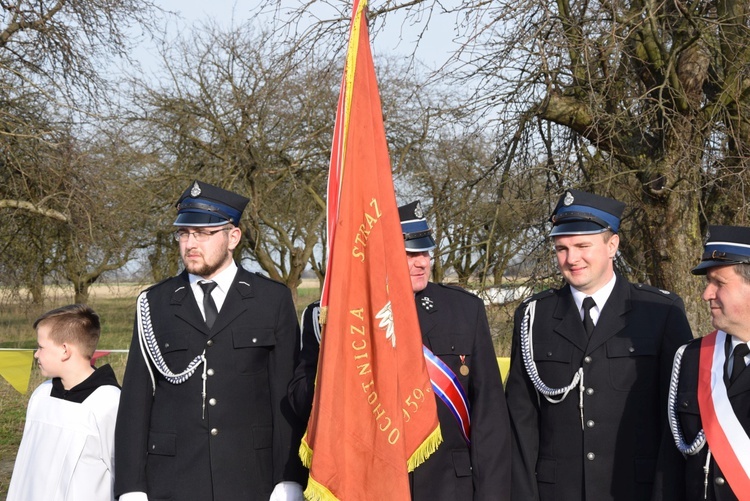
x: 67, y: 448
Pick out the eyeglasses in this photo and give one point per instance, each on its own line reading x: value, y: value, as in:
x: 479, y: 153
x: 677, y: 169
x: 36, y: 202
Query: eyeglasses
x: 199, y: 236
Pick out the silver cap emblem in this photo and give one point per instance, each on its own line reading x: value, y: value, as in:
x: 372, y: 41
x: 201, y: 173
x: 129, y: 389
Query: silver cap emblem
x: 418, y: 210
x: 195, y: 190
x: 568, y: 199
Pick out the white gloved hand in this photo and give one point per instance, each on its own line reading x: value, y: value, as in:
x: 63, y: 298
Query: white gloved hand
x: 287, y: 491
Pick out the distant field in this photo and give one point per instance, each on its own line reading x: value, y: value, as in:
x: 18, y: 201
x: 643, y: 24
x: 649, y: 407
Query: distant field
x: 115, y: 304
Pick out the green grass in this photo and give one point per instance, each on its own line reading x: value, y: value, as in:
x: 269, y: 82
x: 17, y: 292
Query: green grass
x: 16, y: 319
x: 16, y: 332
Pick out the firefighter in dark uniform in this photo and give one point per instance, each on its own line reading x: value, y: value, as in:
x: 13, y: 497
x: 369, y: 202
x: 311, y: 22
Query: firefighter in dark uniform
x: 454, y: 327
x: 590, y: 365
x: 714, y: 459
x: 203, y: 411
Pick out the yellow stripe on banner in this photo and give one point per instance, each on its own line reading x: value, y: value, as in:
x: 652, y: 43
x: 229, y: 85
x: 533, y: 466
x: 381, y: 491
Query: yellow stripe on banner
x: 15, y: 367
x: 351, y: 67
x: 504, y: 364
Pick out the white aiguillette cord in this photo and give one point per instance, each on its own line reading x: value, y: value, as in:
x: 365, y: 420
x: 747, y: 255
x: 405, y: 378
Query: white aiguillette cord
x: 527, y: 352
x: 699, y: 442
x: 150, y: 351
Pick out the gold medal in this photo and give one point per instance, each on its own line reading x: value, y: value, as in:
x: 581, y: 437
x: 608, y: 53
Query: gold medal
x: 464, y: 369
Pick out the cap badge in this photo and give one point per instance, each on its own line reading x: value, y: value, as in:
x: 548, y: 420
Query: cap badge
x: 195, y: 190
x: 427, y: 303
x: 418, y: 210
x: 568, y: 199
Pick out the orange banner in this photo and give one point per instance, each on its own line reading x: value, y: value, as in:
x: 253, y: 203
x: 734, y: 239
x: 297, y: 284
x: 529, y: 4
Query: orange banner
x: 374, y: 414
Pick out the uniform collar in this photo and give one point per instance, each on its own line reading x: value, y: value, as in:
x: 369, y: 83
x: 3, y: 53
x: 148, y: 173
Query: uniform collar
x: 223, y: 280
x: 600, y: 297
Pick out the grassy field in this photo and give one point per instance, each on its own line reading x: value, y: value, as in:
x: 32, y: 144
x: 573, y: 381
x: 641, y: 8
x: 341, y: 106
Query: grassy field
x: 116, y: 309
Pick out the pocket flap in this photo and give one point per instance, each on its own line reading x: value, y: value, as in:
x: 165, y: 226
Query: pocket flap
x: 448, y: 346
x: 251, y: 338
x: 546, y: 470
x: 462, y: 463
x: 173, y: 341
x: 161, y: 444
x: 632, y: 347
x: 557, y: 352
x: 262, y: 437
x: 687, y: 402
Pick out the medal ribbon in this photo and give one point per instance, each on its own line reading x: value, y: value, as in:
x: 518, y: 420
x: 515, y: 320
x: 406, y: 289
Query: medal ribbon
x: 445, y: 383
x: 718, y: 417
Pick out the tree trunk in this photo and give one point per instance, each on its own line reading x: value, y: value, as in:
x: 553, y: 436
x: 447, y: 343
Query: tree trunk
x: 671, y: 221
x: 81, y: 289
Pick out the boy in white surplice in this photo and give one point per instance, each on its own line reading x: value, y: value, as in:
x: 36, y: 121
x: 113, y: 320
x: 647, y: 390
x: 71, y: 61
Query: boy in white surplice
x: 67, y: 449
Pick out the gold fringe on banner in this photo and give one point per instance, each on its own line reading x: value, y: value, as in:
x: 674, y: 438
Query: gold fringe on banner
x: 428, y: 447
x: 317, y: 492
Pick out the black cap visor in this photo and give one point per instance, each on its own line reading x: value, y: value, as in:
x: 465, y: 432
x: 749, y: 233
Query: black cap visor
x: 199, y: 218
x: 710, y: 261
x: 421, y: 244
x: 577, y: 228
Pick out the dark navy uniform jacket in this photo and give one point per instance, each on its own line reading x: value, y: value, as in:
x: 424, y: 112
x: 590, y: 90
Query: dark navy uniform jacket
x: 454, y: 326
x: 613, y: 453
x: 245, y: 443
x: 690, y: 420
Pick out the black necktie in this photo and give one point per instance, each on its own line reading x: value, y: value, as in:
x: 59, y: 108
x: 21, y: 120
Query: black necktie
x: 738, y: 360
x: 209, y: 307
x: 588, y: 322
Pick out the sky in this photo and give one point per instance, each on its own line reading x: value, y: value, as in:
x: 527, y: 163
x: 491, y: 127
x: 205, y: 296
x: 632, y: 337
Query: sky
x: 397, y: 38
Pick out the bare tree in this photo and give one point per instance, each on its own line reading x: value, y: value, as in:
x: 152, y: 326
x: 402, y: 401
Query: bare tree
x: 60, y: 47
x: 643, y: 101
x: 240, y: 111
x: 108, y: 223
x: 54, y: 57
x: 248, y: 111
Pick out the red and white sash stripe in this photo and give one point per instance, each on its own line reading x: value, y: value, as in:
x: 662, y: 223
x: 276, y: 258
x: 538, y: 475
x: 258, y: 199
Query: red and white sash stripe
x: 449, y: 389
x: 729, y: 443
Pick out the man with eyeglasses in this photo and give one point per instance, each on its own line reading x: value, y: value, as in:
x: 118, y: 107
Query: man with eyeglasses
x: 204, y: 414
x: 473, y: 461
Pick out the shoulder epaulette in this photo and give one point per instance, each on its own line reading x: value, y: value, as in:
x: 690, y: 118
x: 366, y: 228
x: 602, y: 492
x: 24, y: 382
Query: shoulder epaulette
x: 540, y: 295
x: 265, y: 277
x: 458, y: 288
x: 694, y: 340
x: 655, y: 290
x: 157, y: 284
